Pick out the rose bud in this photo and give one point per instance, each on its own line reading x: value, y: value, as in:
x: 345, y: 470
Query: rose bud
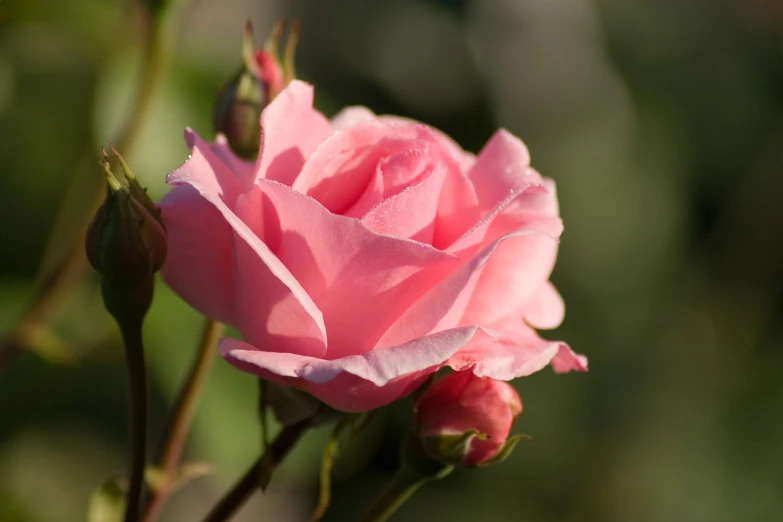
x: 126, y: 242
x: 464, y: 420
x: 240, y: 102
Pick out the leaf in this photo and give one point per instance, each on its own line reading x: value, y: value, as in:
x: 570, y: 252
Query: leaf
x: 107, y: 503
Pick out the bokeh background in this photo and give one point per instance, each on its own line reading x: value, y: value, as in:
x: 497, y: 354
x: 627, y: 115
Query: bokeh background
x: 662, y: 123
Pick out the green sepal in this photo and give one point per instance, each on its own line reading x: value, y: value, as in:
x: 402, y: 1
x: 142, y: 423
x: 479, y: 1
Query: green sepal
x: 450, y: 449
x: 506, y: 450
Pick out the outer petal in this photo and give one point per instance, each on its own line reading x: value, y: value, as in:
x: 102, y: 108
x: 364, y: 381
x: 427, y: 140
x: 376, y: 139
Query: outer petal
x: 515, y: 333
x: 358, y: 382
x: 501, y: 167
x: 269, y: 305
x: 520, y: 264
x: 291, y: 130
x: 359, y: 279
x: 213, y: 170
x: 546, y: 309
x: 351, y: 116
x: 199, y: 263
x: 505, y: 360
x: 242, y: 169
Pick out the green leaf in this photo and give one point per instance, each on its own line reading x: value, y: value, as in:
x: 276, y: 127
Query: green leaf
x: 107, y: 503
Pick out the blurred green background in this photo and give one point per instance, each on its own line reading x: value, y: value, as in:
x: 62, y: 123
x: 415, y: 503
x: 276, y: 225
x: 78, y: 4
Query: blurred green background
x: 662, y: 123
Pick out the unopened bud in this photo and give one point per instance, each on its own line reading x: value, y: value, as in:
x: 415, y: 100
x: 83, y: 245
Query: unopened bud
x: 126, y: 240
x: 260, y: 78
x: 465, y: 420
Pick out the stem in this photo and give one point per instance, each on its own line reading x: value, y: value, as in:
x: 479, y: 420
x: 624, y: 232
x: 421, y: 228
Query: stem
x: 71, y: 268
x: 402, y: 486
x: 331, y: 451
x: 260, y: 474
x: 183, y: 414
x: 134, y: 358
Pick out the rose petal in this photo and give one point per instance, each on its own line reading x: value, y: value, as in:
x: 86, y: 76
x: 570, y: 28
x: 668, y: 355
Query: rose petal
x: 514, y: 332
x: 410, y: 213
x: 291, y: 130
x: 505, y: 360
x: 351, y: 116
x: 358, y: 382
x: 261, y: 284
x: 360, y: 280
x: 518, y: 266
x: 513, y: 213
x: 546, y: 309
x: 242, y: 169
x: 451, y: 302
x: 211, y: 171
x: 338, y: 173
x: 199, y: 262
x: 502, y: 167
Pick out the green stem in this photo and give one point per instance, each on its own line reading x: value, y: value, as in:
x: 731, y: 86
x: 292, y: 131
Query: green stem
x: 331, y: 450
x: 67, y: 272
x: 183, y: 414
x: 402, y: 486
x: 134, y: 358
x: 416, y: 469
x: 260, y: 474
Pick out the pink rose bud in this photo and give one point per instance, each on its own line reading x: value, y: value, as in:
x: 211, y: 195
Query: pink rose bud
x: 464, y: 420
x: 240, y: 102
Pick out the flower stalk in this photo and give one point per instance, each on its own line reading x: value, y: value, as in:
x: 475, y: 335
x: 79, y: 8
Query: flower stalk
x: 260, y: 473
x: 416, y: 470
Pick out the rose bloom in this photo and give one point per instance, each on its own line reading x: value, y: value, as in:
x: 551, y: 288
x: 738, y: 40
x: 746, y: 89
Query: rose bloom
x: 359, y: 255
x: 460, y: 403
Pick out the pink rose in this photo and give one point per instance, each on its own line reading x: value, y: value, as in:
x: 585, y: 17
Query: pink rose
x: 461, y: 403
x: 358, y: 256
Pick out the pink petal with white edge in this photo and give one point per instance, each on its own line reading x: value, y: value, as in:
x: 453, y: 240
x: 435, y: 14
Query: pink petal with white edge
x: 546, y: 309
x: 359, y: 382
x: 360, y: 280
x: 291, y: 129
x: 262, y: 287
